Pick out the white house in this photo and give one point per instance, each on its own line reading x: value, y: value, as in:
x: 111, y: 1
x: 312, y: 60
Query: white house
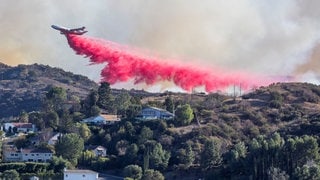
x: 20, y: 127
x: 12, y: 154
x: 152, y: 113
x: 98, y: 150
x: 36, y: 155
x: 102, y: 119
x: 80, y: 174
x: 54, y: 139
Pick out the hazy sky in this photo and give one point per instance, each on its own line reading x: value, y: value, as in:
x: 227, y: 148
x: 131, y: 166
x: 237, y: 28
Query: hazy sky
x: 269, y: 37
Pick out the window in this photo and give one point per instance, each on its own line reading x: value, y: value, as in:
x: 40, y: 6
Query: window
x: 26, y: 154
x: 84, y: 175
x: 32, y: 154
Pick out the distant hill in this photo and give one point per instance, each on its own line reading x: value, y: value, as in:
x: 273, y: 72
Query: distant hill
x: 289, y: 108
x: 22, y: 87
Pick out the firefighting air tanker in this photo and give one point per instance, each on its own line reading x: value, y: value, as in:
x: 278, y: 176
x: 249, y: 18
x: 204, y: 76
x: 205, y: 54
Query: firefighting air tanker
x: 64, y: 30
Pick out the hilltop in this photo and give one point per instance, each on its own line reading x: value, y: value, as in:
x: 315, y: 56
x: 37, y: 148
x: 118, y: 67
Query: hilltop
x: 22, y: 87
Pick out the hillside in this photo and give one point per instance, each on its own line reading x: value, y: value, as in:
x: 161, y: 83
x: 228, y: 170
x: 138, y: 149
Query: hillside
x: 22, y: 87
x: 290, y: 108
x: 226, y: 137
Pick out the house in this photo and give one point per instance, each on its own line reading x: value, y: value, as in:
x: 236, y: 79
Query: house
x: 99, y: 151
x: 19, y: 127
x: 34, y: 178
x: 102, y: 119
x: 42, y: 137
x: 12, y: 154
x: 54, y: 139
x: 36, y: 155
x: 152, y: 113
x: 79, y: 174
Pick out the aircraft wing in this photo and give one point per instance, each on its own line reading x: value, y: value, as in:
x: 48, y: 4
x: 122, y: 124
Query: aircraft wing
x: 64, y: 30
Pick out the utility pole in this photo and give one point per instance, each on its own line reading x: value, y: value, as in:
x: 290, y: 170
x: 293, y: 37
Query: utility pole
x: 234, y: 92
x: 173, y: 112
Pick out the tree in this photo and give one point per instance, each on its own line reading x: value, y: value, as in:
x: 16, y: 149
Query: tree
x: 66, y: 124
x: 22, y: 142
x: 299, y: 151
x: 130, y: 130
x: 190, y: 157
x: 131, y: 153
x: 307, y: 172
x: 277, y: 174
x: 95, y: 110
x: 106, y: 99
x: 239, y: 151
x: 70, y: 147
x: 145, y: 134
x: 1, y: 135
x: 37, y: 119
x: 184, y: 115
x: 52, y: 120
x: 122, y: 102
x: 159, y: 158
x: 132, y: 111
x: 10, y: 174
x: 133, y: 171
x: 90, y: 101
x: 236, y: 159
x: 55, y: 98
x: 87, y: 157
x: 151, y: 174
x: 84, y: 131
x: 186, y: 157
x: 58, y: 164
x: 121, y: 147
x: 24, y: 117
x: 211, y: 154
x: 76, y: 107
x: 168, y: 103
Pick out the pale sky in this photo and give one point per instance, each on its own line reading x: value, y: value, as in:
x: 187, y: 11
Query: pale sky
x: 269, y: 37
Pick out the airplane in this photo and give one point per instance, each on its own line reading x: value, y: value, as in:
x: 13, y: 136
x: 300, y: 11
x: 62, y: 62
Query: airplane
x: 64, y: 30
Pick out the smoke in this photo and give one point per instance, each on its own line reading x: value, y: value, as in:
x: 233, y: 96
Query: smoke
x: 264, y: 37
x: 125, y: 63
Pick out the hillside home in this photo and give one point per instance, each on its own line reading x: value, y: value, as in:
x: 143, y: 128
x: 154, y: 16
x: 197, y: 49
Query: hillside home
x: 79, y: 174
x: 54, y: 139
x: 98, y: 150
x: 12, y: 154
x: 102, y: 119
x: 152, y: 113
x: 19, y: 127
x: 42, y: 137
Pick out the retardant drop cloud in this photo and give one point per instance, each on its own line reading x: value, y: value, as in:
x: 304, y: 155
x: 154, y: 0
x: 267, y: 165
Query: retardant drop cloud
x: 124, y: 63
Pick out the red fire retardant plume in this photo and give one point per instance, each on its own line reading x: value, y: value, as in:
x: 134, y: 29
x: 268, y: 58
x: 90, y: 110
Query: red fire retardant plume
x: 124, y: 63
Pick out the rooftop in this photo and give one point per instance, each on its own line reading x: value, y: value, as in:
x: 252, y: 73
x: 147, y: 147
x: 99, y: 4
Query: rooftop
x: 87, y: 171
